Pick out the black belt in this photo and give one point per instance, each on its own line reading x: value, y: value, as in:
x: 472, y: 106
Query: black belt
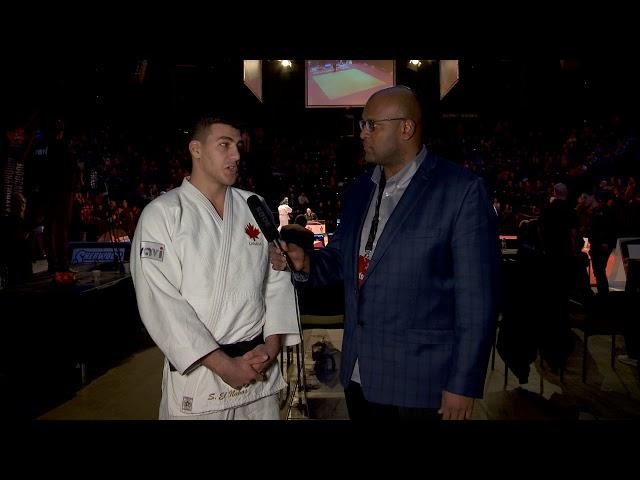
x: 235, y: 349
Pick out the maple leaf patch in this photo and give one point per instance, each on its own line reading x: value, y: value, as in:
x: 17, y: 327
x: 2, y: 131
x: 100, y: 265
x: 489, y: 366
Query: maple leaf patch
x: 252, y: 231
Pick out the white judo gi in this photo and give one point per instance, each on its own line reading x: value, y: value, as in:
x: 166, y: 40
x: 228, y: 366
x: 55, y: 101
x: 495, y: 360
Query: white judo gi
x: 202, y: 281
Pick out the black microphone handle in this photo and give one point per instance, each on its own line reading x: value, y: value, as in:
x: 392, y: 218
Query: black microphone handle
x: 285, y: 255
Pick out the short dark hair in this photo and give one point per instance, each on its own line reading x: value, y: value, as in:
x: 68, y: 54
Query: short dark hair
x: 202, y: 124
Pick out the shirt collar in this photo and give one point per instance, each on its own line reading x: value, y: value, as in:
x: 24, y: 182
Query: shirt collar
x: 404, y: 176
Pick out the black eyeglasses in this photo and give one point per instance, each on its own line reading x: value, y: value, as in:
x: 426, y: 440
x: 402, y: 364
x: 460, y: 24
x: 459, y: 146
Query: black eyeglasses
x: 370, y: 125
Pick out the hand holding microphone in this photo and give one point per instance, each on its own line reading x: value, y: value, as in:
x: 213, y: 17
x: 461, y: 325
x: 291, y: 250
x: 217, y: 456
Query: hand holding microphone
x: 291, y: 253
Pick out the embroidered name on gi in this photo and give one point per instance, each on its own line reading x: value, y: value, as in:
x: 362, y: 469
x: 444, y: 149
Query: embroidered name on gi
x: 152, y: 250
x: 229, y: 394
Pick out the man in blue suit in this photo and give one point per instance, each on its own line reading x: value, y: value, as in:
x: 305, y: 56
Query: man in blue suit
x: 417, y: 251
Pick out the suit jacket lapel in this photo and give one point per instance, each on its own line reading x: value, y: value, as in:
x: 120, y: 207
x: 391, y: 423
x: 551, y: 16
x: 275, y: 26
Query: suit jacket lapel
x: 409, y: 201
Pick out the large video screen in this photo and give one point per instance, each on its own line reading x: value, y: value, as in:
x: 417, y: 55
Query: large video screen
x: 346, y: 83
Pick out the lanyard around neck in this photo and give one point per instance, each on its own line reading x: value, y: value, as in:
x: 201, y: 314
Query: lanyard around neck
x: 376, y: 215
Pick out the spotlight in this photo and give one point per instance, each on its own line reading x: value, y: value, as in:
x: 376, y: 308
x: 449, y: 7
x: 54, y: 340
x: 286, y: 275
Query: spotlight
x: 414, y: 65
x: 286, y: 63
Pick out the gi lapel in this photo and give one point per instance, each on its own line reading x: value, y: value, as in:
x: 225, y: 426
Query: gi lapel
x: 223, y: 261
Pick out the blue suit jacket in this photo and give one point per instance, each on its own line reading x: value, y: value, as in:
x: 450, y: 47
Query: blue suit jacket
x: 423, y: 321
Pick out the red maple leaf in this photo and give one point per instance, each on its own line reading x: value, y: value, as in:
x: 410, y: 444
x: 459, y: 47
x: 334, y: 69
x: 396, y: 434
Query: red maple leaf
x: 252, y: 231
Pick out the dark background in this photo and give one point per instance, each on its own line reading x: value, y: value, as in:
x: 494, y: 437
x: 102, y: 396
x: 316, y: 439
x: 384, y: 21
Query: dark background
x: 547, y: 92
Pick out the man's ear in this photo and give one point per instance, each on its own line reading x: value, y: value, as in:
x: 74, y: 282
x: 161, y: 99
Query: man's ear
x: 194, y: 148
x: 408, y: 129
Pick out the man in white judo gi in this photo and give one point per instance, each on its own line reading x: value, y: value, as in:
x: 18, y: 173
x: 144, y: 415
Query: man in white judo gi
x: 205, y: 291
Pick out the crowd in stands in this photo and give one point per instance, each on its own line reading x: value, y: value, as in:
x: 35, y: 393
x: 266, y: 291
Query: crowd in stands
x: 118, y: 173
x: 600, y: 165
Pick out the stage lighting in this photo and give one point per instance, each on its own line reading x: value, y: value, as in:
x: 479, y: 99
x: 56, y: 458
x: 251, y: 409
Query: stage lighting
x: 414, y: 65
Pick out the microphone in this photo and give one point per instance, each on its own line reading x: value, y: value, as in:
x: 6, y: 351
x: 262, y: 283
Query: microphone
x: 265, y: 222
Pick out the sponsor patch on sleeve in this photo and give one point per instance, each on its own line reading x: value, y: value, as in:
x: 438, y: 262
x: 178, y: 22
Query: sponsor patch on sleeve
x: 152, y: 250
